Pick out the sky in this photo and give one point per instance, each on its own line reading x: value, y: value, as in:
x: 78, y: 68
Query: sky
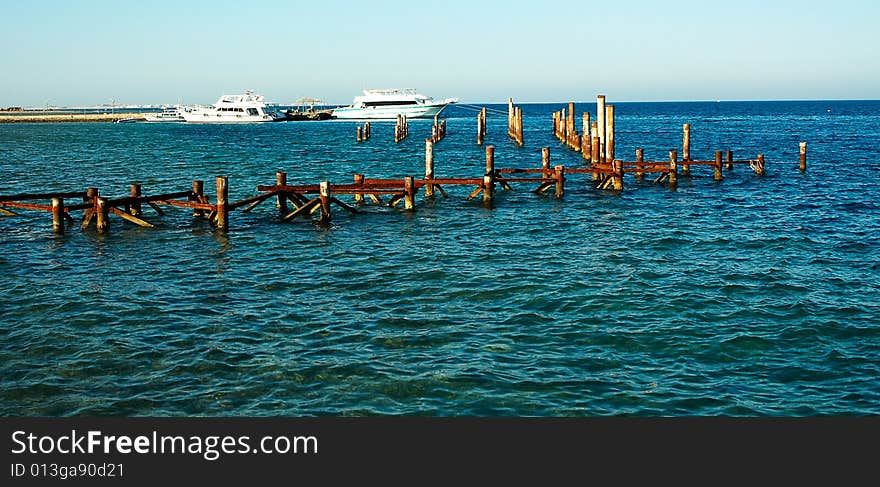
x: 72, y: 53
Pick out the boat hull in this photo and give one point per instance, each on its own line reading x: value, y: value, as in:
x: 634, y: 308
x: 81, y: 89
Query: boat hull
x: 389, y: 112
x: 212, y: 118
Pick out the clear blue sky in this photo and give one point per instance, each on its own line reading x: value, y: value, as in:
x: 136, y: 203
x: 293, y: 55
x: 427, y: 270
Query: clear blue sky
x: 157, y: 51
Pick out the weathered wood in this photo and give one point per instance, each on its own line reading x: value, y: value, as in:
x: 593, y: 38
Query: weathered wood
x: 281, y: 200
x: 325, y: 202
x: 609, y: 133
x: 58, y: 215
x: 559, y: 176
x: 729, y: 166
x: 42, y: 196
x: 254, y: 201
x: 88, y: 216
x: 600, y: 128
x: 359, y: 181
x: 131, y: 218
x: 359, y: 137
x: 101, y: 209
x: 344, y: 205
x: 304, y: 210
x: 803, y: 156
x: 409, y: 199
x: 617, y: 174
x: 673, y: 168
x: 489, y: 176
x: 135, y: 205
x: 545, y: 160
x: 4, y: 211
x: 198, y: 189
x: 759, y: 168
x: 155, y: 208
x: 717, y: 176
x: 685, y: 149
x: 429, y: 167
x: 222, y: 218
x: 640, y: 157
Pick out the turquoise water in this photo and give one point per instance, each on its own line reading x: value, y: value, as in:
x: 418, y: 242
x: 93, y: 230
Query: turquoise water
x: 755, y: 296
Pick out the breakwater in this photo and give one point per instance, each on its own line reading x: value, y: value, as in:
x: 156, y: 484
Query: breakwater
x: 69, y: 117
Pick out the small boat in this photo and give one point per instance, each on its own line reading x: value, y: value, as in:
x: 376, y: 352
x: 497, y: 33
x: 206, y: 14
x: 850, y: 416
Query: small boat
x: 127, y: 120
x: 168, y: 114
x: 388, y: 104
x: 302, y: 112
x: 244, y: 108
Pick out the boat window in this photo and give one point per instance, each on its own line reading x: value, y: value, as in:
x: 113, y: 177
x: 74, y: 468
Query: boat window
x: 252, y: 111
x: 387, y: 103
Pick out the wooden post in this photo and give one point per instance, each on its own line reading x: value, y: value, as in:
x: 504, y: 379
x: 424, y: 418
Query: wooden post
x: 519, y: 126
x: 545, y: 161
x: 58, y: 215
x: 324, y: 194
x: 803, y: 153
x: 717, y: 166
x: 360, y: 137
x: 729, y: 161
x: 686, y: 143
x: 617, y: 174
x: 686, y: 149
x: 594, y: 153
x: 359, y: 181
x: 570, y: 121
x: 198, y: 189
x: 673, y: 168
x: 559, y: 175
x: 102, y: 210
x: 640, y: 157
x: 222, y: 203
x: 480, y: 127
x: 489, y: 177
x: 609, y: 135
x: 586, y: 125
x: 429, y: 167
x: 281, y: 199
x: 367, y: 130
x: 135, y: 192
x: 600, y: 128
x: 760, y: 169
x: 509, y: 115
x: 409, y: 193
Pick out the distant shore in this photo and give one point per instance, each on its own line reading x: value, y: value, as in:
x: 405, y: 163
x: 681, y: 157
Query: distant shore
x: 70, y: 117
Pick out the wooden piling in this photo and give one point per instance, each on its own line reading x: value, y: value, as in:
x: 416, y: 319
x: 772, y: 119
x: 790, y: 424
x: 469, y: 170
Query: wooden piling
x: 367, y: 133
x: 102, y: 224
x: 609, y: 133
x: 617, y: 174
x: 198, y: 189
x: 281, y: 180
x: 489, y: 177
x: 803, y: 156
x: 409, y: 191
x: 359, y: 181
x: 595, y: 157
x: 600, y: 125
x: 545, y: 161
x: 324, y: 194
x: 759, y: 170
x: 640, y: 157
x: 429, y: 167
x: 673, y: 168
x: 360, y: 137
x: 134, y: 190
x: 717, y: 167
x: 729, y: 165
x: 222, y: 218
x: 559, y: 175
x: 686, y: 149
x: 58, y: 215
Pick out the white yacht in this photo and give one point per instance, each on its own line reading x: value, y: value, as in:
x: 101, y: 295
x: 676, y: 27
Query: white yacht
x: 388, y: 104
x: 168, y: 114
x: 244, y: 108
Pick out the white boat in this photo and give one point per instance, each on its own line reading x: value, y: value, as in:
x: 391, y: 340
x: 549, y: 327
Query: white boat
x: 168, y: 114
x: 243, y: 108
x: 388, y: 104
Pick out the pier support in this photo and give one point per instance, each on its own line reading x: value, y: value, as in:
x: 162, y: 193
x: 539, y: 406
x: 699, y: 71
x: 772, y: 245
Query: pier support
x: 686, y: 150
x: 198, y: 189
x: 134, y: 191
x: 729, y: 165
x: 640, y: 157
x: 102, y: 223
x: 359, y: 183
x: 409, y: 193
x: 717, y: 167
x: 559, y: 175
x: 803, y: 156
x: 324, y: 194
x: 222, y: 218
x: 281, y: 180
x: 429, y: 167
x: 673, y: 168
x: 609, y: 133
x: 600, y: 126
x: 489, y: 176
x: 58, y: 215
x: 617, y: 174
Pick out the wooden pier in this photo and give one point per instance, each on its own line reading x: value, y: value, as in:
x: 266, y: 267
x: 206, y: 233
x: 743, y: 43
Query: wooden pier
x: 595, y: 143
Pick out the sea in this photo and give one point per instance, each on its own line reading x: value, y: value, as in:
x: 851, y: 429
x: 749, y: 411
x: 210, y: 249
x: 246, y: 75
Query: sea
x: 753, y: 296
